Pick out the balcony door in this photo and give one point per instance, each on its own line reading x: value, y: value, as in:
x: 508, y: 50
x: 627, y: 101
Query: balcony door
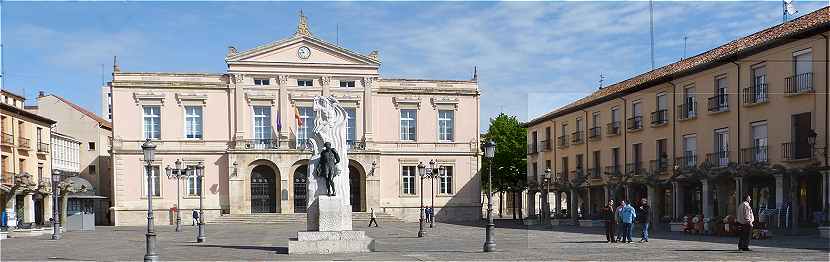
x: 802, y: 125
x: 689, y: 100
x: 690, y: 150
x: 720, y: 91
x: 262, y: 126
x: 759, y: 141
x: 722, y: 146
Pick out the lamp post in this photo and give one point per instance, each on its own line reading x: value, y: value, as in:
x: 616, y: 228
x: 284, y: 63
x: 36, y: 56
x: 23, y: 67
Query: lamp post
x: 546, y: 184
x: 432, y: 173
x: 442, y: 171
x: 150, y: 238
x: 56, y: 220
x: 489, y: 153
x: 177, y: 173
x: 200, y: 175
x: 422, y: 172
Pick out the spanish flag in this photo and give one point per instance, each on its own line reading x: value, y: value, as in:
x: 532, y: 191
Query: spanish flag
x: 297, y: 117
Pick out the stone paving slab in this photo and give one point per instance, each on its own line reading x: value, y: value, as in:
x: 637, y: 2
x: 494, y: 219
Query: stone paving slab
x: 398, y: 242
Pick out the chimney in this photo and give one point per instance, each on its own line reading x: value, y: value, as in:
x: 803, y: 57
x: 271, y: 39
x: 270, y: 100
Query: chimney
x: 41, y: 94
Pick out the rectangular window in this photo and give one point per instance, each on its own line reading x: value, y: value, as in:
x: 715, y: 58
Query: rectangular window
x: 595, y: 119
x: 39, y: 135
x: 535, y: 171
x: 155, y: 184
x: 803, y: 62
x: 690, y: 110
x: 615, y: 114
x: 597, y: 162
x: 409, y: 124
x: 446, y: 119
x: 347, y: 83
x: 636, y: 109
x: 721, y: 91
x: 578, y: 125
x: 662, y: 153
x: 758, y: 88
x: 193, y: 122
x: 91, y: 145
x: 262, y: 123
x: 637, y: 152
x: 408, y: 180
x: 262, y: 81
x: 615, y: 160
x: 193, y: 183
x: 759, y: 141
x: 350, y: 126
x: 305, y: 82
x: 689, y: 151
x: 722, y: 146
x: 662, y: 102
x: 305, y: 130
x: 152, y: 122
x: 445, y: 180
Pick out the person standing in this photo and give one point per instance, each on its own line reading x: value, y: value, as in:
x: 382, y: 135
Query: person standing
x: 372, y: 218
x: 627, y: 216
x: 745, y: 219
x: 195, y: 217
x: 645, y: 216
x: 610, y: 221
x: 619, y: 226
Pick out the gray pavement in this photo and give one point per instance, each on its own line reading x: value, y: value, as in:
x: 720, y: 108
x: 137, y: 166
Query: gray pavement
x: 397, y: 241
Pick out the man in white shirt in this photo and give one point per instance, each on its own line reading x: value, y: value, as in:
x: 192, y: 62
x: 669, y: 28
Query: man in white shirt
x: 744, y: 219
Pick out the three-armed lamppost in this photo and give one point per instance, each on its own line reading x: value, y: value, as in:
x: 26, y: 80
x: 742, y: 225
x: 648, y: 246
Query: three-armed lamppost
x: 150, y: 238
x: 200, y: 176
x: 177, y: 173
x: 432, y: 173
x: 546, y: 183
x: 56, y: 219
x: 422, y: 172
x: 489, y: 153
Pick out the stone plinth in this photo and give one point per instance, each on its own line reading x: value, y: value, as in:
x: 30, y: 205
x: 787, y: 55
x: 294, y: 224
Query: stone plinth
x: 334, y: 216
x: 330, y: 242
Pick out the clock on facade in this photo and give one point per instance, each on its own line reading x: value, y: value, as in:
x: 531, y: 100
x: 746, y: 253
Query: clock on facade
x: 304, y: 52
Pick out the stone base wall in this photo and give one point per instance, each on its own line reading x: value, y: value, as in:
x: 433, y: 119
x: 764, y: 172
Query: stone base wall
x: 160, y: 217
x: 446, y: 214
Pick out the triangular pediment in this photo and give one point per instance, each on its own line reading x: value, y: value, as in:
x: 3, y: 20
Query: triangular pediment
x: 287, y: 51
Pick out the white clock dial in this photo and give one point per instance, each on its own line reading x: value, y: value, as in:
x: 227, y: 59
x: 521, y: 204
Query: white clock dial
x: 304, y: 52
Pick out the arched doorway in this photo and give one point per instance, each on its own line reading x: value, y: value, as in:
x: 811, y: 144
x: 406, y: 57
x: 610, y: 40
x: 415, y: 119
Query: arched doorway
x: 301, y: 189
x: 354, y: 189
x: 263, y: 190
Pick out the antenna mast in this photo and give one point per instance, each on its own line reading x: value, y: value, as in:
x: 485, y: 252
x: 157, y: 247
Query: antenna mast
x: 651, y: 27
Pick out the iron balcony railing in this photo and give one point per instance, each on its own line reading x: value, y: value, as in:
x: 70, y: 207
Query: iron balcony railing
x: 687, y: 111
x: 755, y: 94
x: 562, y: 177
x: 595, y: 133
x: 800, y: 83
x: 719, y: 103
x: 659, y: 166
x: 8, y: 139
x: 531, y: 149
x: 257, y: 144
x: 23, y: 143
x: 545, y: 145
x: 42, y: 147
x: 718, y: 159
x: 8, y: 178
x: 634, y: 169
x: 562, y: 142
x: 613, y: 170
x: 791, y: 151
x: 687, y: 161
x: 594, y: 173
x: 613, y: 128
x: 578, y: 137
x: 635, y: 123
x: 659, y: 117
x: 756, y: 154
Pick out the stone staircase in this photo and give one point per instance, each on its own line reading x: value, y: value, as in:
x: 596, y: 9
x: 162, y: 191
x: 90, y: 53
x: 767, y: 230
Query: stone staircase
x: 275, y: 218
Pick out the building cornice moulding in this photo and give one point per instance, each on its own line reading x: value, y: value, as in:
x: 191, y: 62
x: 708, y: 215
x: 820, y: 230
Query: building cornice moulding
x: 410, y: 100
x: 145, y: 97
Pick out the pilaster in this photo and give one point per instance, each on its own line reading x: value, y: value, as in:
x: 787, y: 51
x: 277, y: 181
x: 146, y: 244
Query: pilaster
x: 779, y: 190
x: 573, y: 205
x: 368, y: 107
x: 284, y: 111
x: 707, y: 198
x: 28, y: 208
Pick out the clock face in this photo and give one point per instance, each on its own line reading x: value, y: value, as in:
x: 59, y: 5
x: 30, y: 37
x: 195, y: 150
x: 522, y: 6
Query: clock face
x: 304, y: 52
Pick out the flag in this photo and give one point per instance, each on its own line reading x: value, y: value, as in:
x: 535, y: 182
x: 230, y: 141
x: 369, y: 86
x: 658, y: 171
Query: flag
x: 279, y: 121
x: 789, y: 7
x: 297, y: 117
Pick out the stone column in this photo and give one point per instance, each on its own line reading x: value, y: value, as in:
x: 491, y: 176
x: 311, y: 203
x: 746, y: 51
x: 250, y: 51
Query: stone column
x: 588, y: 212
x: 557, y: 200
x: 681, y: 200
x: 285, y: 112
x: 707, y: 198
x: 28, y: 208
x: 573, y: 204
x: 739, y: 191
x: 606, y: 193
x: 368, y: 84
x: 10, y: 211
x: 47, y: 208
x: 531, y: 204
x: 651, y: 193
x: 779, y: 190
x: 239, y: 106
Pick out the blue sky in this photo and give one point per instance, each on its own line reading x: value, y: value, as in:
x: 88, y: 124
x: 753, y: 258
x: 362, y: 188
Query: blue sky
x: 531, y: 56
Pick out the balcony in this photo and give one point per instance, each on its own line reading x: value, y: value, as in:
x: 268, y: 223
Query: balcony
x: 755, y: 155
x: 687, y: 111
x: 531, y: 149
x: 7, y: 139
x: 756, y: 94
x: 23, y: 143
x: 577, y: 173
x: 595, y: 133
x: 659, y: 166
x: 42, y: 148
x: 659, y: 117
x: 800, y: 83
x: 687, y: 161
x: 634, y: 169
x: 562, y: 142
x: 578, y: 137
x: 7, y: 179
x: 718, y: 159
x: 594, y: 173
x: 635, y: 123
x: 613, y: 128
x: 791, y: 151
x: 352, y: 145
x: 546, y: 145
x: 257, y: 144
x: 562, y: 177
x: 613, y: 170
x: 719, y: 103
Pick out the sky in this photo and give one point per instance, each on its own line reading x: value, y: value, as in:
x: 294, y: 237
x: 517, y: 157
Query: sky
x: 531, y: 56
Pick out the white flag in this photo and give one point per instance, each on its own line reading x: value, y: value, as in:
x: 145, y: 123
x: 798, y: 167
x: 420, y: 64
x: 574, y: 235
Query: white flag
x: 789, y: 7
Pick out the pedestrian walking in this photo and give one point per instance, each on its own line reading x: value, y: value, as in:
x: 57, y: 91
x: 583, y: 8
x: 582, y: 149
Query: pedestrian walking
x: 610, y: 221
x: 429, y: 214
x: 645, y: 217
x: 745, y: 219
x: 195, y: 217
x: 619, y: 226
x: 372, y: 218
x: 627, y: 216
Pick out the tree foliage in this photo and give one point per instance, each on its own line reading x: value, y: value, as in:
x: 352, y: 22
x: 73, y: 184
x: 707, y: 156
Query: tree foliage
x: 510, y: 162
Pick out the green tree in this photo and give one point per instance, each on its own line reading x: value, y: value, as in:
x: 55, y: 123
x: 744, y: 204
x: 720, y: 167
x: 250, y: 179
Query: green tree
x: 510, y: 160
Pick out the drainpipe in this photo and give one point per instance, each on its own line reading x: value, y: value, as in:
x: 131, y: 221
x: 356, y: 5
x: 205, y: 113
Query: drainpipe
x: 826, y: 114
x: 673, y: 122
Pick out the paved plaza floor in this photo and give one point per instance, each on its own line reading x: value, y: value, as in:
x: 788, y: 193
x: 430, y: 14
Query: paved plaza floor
x: 398, y: 241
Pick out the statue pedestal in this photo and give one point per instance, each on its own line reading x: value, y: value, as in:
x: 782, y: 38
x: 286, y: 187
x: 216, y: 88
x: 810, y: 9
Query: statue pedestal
x: 335, y: 234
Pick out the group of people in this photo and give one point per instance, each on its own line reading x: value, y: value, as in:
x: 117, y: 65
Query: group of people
x: 619, y: 221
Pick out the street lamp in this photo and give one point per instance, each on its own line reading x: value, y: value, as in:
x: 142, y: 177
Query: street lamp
x: 422, y: 172
x: 200, y: 176
x: 546, y: 184
x: 177, y: 173
x: 489, y: 153
x: 149, y: 155
x: 442, y: 171
x: 56, y: 220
